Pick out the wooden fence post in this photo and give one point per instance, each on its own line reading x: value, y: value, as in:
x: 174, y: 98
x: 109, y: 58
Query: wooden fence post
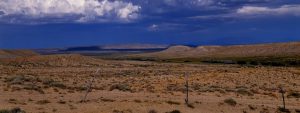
x: 187, y: 88
x: 281, y: 90
x: 89, y: 86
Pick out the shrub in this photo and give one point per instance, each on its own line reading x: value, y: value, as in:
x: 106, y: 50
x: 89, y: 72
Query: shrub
x: 175, y: 111
x: 230, y: 101
x: 4, y: 111
x: 252, y: 107
x: 253, y: 63
x: 282, y: 110
x: 13, y: 110
x: 121, y: 87
x: 107, y: 100
x: 241, y: 62
x: 33, y: 87
x: 191, y: 106
x: 173, y: 102
x: 138, y: 101
x: 61, y: 102
x: 17, y: 79
x: 58, y: 85
x: 12, y: 101
x: 52, y: 83
x: 152, y: 111
x: 47, y: 81
x: 43, y: 102
x: 244, y: 91
x: 294, y: 94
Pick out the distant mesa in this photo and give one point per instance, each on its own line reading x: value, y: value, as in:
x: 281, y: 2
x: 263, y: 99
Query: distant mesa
x: 118, y: 47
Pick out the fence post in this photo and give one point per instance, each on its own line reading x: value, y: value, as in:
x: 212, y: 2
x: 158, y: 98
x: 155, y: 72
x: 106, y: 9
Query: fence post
x: 187, y: 88
x: 281, y: 90
x: 89, y: 86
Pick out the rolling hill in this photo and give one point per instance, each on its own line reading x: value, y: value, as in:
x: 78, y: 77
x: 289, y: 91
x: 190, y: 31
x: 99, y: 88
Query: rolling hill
x: 16, y: 53
x: 275, y: 49
x: 270, y: 53
x: 52, y: 60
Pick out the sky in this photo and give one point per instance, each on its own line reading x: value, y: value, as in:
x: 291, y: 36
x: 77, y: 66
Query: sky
x: 66, y: 23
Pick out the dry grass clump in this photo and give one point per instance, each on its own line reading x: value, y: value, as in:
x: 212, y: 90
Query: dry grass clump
x: 190, y: 105
x: 17, y: 79
x: 15, y: 101
x: 175, y: 87
x: 34, y: 87
x: 122, y: 111
x: 42, y: 102
x: 20, y: 79
x: 12, y: 101
x: 58, y: 85
x: 26, y: 82
x: 173, y: 102
x: 152, y: 111
x: 211, y: 88
x: 13, y: 110
x: 244, y: 91
x: 62, y: 102
x: 52, y: 83
x: 107, y: 100
x: 230, y: 101
x: 283, y: 110
x: 121, y: 87
x: 293, y: 94
x: 174, y: 111
x: 252, y: 107
x: 137, y: 101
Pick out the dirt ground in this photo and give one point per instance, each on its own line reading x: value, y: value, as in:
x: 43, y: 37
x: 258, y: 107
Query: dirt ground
x: 147, y: 87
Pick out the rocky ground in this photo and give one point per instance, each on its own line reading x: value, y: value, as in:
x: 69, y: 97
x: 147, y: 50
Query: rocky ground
x: 48, y: 84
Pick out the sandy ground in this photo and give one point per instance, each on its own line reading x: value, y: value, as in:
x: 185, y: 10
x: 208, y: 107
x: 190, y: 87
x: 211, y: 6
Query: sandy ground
x: 139, y: 87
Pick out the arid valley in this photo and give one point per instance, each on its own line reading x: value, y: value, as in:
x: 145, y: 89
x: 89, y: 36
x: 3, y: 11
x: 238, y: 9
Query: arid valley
x: 57, y: 83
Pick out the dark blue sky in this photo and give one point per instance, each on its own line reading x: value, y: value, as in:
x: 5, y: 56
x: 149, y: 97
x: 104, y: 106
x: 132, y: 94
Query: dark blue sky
x: 63, y: 23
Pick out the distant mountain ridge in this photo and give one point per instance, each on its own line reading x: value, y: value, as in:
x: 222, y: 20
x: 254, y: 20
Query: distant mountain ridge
x: 272, y: 49
x: 118, y: 47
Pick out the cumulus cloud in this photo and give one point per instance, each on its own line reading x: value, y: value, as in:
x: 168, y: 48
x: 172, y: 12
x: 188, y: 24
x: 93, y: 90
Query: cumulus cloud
x: 254, y: 12
x: 283, y: 10
x: 69, y: 10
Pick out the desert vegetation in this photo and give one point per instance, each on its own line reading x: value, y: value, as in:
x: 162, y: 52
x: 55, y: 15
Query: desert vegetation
x: 58, y: 83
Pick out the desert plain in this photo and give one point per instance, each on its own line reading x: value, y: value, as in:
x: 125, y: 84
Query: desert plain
x: 58, y: 84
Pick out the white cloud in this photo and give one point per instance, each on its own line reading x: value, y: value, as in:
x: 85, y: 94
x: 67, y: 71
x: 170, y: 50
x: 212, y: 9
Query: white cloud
x: 170, y: 2
x: 203, y: 2
x: 153, y: 27
x: 255, y: 12
x: 76, y: 10
x: 189, y: 3
x: 283, y: 10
